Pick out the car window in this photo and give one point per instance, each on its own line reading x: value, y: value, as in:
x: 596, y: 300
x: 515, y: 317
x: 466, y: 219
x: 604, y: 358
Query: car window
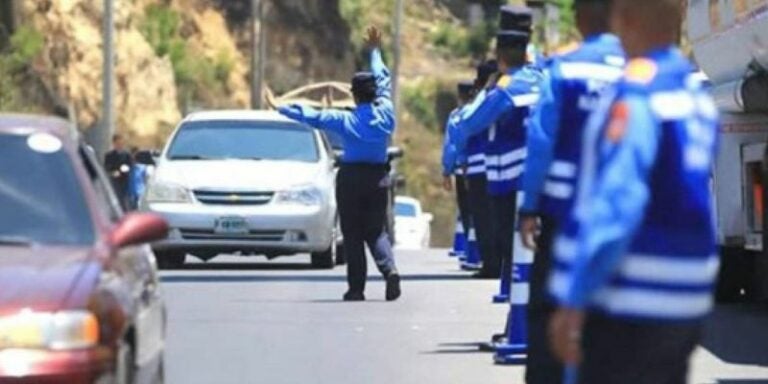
x: 40, y: 196
x: 405, y: 210
x: 244, y: 140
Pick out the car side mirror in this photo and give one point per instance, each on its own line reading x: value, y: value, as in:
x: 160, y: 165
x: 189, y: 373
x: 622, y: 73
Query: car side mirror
x: 138, y: 228
x: 337, y: 155
x: 395, y: 153
x: 429, y: 217
x: 145, y: 157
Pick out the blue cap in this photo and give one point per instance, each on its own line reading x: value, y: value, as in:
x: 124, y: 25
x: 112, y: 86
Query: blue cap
x: 516, y: 18
x: 512, y: 39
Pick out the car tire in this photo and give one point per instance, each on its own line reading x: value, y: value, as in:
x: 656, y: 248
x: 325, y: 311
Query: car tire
x: 325, y: 259
x: 170, y: 260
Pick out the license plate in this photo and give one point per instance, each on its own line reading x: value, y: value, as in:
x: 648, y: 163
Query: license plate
x: 231, y: 226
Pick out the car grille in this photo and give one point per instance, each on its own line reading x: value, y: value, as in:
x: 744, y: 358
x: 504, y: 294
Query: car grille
x: 233, y: 198
x: 209, y: 234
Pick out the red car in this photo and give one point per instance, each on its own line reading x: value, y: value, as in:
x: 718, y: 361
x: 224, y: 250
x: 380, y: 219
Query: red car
x: 80, y: 299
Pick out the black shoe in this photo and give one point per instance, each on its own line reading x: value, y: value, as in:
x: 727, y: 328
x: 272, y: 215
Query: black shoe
x: 393, y: 287
x: 486, y: 275
x: 354, y: 296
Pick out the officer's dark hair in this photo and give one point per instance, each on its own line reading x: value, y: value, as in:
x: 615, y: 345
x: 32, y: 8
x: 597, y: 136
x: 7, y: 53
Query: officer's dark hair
x: 593, y: 16
x: 364, y: 88
x: 512, y: 56
x: 116, y: 137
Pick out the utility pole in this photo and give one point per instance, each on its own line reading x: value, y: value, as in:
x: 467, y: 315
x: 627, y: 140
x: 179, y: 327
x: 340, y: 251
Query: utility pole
x: 107, y: 127
x: 396, y: 43
x: 258, y: 52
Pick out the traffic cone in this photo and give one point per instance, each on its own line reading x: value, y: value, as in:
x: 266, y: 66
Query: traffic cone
x: 514, y: 346
x: 472, y: 261
x: 459, y: 239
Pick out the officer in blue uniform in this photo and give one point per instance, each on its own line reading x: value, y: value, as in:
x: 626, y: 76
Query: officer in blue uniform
x: 477, y: 183
x: 455, y: 164
x: 363, y: 182
x: 575, y: 79
x: 636, y: 262
x: 502, y: 112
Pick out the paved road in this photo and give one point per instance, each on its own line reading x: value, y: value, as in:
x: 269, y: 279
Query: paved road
x: 252, y: 321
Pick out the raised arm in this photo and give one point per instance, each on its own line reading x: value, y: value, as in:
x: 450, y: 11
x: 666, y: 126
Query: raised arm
x: 480, y: 115
x: 327, y: 119
x: 378, y: 68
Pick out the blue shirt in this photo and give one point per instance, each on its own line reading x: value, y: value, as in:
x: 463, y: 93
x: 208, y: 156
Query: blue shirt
x: 365, y: 131
x: 502, y: 113
x: 640, y: 241
x: 137, y: 183
x: 574, y: 81
x: 451, y: 159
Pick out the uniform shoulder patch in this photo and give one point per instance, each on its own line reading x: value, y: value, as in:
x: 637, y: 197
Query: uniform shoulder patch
x: 568, y: 48
x: 641, y: 71
x: 617, y: 122
x: 504, y: 81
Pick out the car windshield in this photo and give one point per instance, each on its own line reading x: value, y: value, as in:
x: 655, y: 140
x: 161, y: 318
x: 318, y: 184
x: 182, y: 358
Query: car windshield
x: 40, y: 197
x: 405, y: 210
x: 244, y: 140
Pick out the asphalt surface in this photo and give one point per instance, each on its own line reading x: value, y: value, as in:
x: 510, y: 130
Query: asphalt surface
x: 248, y: 320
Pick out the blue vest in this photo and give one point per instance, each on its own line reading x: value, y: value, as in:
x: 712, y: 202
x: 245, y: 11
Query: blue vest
x: 476, y: 147
x: 580, y: 77
x: 671, y: 264
x: 506, y: 151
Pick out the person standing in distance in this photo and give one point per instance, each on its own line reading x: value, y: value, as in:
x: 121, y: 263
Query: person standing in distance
x: 457, y: 165
x: 363, y: 180
x: 637, y: 260
x: 118, y: 163
x: 574, y: 82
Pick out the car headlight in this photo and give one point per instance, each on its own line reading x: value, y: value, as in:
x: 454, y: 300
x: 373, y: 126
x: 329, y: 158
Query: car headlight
x: 302, y: 195
x: 53, y: 330
x: 163, y: 192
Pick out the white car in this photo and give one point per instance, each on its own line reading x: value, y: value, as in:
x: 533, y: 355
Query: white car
x: 412, y: 225
x: 247, y: 182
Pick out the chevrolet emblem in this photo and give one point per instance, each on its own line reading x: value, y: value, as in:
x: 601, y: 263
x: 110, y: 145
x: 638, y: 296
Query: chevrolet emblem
x: 234, y: 198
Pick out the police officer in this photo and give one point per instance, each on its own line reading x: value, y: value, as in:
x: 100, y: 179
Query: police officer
x: 575, y: 79
x: 477, y: 184
x: 363, y: 182
x: 118, y: 163
x: 636, y: 260
x: 457, y: 165
x: 502, y: 112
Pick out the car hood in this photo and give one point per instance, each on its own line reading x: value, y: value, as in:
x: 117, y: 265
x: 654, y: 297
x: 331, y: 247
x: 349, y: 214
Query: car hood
x: 263, y: 175
x: 45, y: 278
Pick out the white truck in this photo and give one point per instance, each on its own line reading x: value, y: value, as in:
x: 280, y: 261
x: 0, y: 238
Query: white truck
x: 730, y: 44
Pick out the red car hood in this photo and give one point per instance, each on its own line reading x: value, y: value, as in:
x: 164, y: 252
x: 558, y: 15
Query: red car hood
x: 46, y: 278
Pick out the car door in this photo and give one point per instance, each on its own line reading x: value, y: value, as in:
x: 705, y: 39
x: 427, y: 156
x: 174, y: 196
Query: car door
x: 136, y: 272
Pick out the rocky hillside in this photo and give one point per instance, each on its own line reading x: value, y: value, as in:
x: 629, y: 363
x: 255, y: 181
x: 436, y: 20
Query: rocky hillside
x: 174, y: 56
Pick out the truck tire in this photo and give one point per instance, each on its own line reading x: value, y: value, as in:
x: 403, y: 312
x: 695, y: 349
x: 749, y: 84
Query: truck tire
x: 734, y: 278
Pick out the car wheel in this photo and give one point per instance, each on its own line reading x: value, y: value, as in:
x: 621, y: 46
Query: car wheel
x: 125, y: 367
x: 170, y: 260
x: 325, y: 259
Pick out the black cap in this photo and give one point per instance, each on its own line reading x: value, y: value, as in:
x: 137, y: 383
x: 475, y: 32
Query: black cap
x: 512, y: 39
x: 465, y: 87
x: 484, y: 72
x: 363, y: 82
x: 516, y: 18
